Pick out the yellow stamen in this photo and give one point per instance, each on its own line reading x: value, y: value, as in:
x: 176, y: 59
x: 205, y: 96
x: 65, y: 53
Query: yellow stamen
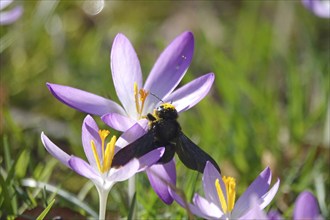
x: 136, y: 97
x: 109, y: 153
x: 231, y: 191
x: 96, y: 156
x: 139, y: 96
x: 143, y: 96
x: 228, y: 203
x: 221, y: 196
x: 103, y: 135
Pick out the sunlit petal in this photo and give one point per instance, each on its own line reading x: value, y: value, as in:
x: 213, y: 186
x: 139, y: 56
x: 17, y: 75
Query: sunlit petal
x: 320, y: 8
x: 255, y: 212
x: 150, y: 158
x: 125, y: 172
x: 130, y: 135
x: 209, y: 176
x: 190, y: 94
x: 89, y: 133
x: 206, y: 207
x: 126, y: 71
x: 169, y: 68
x: 54, y: 150
x: 160, y: 175
x: 8, y: 17
x: 84, y: 169
x: 268, y: 197
x: 117, y: 121
x: 258, y: 187
x: 84, y: 101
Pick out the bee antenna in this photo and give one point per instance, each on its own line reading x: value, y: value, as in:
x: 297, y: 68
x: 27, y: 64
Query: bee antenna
x: 156, y: 97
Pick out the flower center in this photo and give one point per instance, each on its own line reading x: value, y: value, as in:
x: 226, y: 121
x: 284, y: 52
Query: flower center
x: 227, y: 204
x: 140, y: 96
x: 108, y: 151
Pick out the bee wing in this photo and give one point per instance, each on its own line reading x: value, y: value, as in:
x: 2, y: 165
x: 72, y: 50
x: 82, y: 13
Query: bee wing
x: 191, y: 155
x: 136, y: 149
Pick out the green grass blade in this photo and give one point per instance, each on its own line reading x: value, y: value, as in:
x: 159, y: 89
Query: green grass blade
x: 45, y: 212
x: 131, y: 210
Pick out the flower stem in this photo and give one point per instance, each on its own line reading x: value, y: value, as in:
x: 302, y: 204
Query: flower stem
x: 103, y: 196
x: 131, y: 192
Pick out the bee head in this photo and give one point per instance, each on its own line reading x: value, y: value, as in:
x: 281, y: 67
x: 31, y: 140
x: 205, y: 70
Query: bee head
x: 166, y: 111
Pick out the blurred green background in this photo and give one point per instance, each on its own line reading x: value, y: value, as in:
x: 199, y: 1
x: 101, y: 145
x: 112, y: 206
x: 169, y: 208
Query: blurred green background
x: 269, y: 105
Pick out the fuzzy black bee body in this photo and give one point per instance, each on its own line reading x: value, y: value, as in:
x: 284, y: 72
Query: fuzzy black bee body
x: 165, y: 131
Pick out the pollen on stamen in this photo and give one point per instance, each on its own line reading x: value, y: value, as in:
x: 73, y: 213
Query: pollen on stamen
x: 143, y: 95
x: 104, y: 134
x: 109, y: 153
x: 96, y: 156
x: 222, y: 199
x: 140, y: 96
x: 230, y: 184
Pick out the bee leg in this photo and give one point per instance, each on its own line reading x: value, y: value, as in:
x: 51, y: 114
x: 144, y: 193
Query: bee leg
x: 150, y: 117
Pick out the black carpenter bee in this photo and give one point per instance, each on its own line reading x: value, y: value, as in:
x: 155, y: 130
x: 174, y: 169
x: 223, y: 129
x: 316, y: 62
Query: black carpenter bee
x: 165, y: 131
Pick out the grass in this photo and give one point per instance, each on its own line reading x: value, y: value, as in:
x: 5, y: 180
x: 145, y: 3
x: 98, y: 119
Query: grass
x: 268, y: 106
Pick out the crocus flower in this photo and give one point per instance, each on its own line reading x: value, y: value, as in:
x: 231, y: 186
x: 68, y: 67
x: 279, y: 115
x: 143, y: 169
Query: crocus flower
x: 320, y: 8
x: 135, y: 97
x: 138, y: 99
x: 273, y: 215
x: 306, y: 207
x: 99, y: 155
x: 9, y: 16
x: 219, y: 201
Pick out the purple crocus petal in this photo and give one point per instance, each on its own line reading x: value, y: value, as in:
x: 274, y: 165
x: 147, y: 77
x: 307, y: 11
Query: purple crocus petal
x: 268, y: 197
x: 117, y: 121
x: 4, y: 3
x: 259, y: 187
x: 150, y: 158
x: 8, y: 17
x: 126, y: 71
x: 160, y: 176
x: 54, y: 150
x: 306, y: 207
x: 125, y: 172
x: 89, y: 133
x: 206, y: 207
x: 84, y: 101
x: 169, y: 68
x: 320, y: 8
x: 274, y: 215
x: 190, y: 94
x: 209, y: 177
x: 132, y: 134
x: 84, y: 169
x: 255, y: 212
x: 184, y: 203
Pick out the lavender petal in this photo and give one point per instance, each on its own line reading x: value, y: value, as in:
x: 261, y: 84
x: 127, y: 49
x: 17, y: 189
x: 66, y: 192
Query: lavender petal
x: 170, y: 67
x: 306, y: 207
x: 190, y: 94
x: 117, y: 121
x: 54, y: 150
x: 84, y: 101
x: 160, y: 176
x: 84, y: 169
x: 258, y: 187
x: 126, y: 71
